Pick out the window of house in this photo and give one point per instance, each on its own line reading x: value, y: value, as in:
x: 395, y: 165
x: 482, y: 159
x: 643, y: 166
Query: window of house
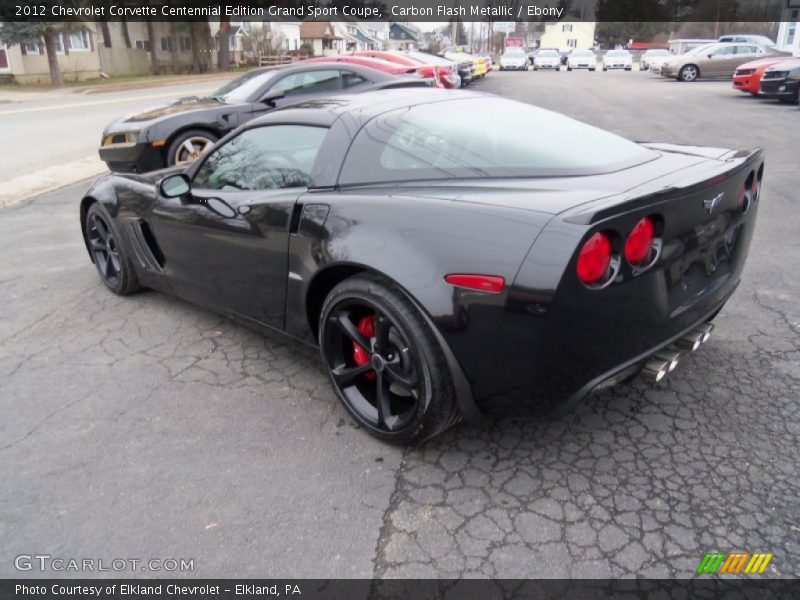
x: 327, y: 45
x: 30, y: 46
x: 572, y: 43
x: 79, y: 40
x: 186, y: 44
x: 795, y: 15
x: 142, y: 44
x: 790, y: 31
x: 166, y: 44
x: 4, y: 66
x: 566, y: 28
x: 57, y: 42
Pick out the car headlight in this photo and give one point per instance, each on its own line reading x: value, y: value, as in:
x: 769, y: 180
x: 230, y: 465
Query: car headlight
x: 121, y: 138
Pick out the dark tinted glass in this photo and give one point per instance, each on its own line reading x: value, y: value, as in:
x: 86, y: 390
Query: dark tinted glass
x: 309, y: 82
x: 441, y: 141
x: 264, y: 158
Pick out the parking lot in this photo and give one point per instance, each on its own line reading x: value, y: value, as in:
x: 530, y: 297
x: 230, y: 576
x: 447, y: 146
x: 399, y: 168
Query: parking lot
x: 148, y: 428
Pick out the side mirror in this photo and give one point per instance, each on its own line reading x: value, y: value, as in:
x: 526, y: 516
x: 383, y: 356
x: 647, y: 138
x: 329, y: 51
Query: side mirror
x: 270, y: 97
x: 710, y: 56
x: 175, y: 186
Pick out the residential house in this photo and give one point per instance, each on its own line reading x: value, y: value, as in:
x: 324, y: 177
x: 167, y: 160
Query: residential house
x: 568, y: 34
x: 77, y: 57
x: 789, y: 29
x: 402, y: 36
x: 322, y: 37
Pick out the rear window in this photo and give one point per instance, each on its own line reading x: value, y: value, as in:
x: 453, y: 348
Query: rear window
x: 442, y: 141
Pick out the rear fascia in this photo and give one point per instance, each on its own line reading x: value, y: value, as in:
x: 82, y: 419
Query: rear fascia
x: 560, y: 338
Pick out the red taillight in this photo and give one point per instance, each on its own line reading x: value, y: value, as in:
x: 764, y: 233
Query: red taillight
x: 743, y: 198
x: 594, y: 258
x: 640, y: 241
x: 484, y: 283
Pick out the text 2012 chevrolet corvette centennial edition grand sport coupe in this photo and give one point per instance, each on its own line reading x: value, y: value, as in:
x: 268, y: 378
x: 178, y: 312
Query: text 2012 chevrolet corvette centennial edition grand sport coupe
x: 440, y: 267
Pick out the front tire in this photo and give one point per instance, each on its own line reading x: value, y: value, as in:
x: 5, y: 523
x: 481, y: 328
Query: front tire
x: 108, y: 253
x: 188, y: 146
x: 384, y: 362
x: 688, y: 73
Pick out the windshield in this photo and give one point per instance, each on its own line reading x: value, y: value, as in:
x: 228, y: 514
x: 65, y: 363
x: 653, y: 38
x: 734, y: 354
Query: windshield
x: 657, y: 52
x: 242, y: 88
x: 438, y: 141
x: 582, y: 53
x: 514, y: 52
x: 547, y: 53
x: 618, y: 53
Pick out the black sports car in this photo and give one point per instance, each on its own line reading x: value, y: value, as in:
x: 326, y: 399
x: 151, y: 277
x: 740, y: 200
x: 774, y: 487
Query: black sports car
x: 441, y: 266
x: 182, y: 131
x: 782, y: 81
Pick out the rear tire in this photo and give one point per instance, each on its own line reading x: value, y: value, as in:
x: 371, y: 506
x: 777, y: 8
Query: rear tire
x: 394, y: 381
x: 108, y: 253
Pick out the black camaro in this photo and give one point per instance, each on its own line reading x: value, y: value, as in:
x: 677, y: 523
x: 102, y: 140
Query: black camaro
x: 182, y: 131
x: 441, y: 267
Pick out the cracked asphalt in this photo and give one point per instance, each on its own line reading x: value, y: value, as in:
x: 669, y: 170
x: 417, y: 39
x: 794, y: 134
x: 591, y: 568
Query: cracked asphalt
x: 148, y: 428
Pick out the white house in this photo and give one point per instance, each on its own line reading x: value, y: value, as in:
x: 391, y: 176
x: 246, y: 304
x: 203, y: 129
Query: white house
x: 568, y: 34
x: 789, y: 29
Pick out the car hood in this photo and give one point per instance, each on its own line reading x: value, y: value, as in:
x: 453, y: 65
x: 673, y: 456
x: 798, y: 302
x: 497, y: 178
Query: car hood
x: 149, y: 116
x: 786, y: 65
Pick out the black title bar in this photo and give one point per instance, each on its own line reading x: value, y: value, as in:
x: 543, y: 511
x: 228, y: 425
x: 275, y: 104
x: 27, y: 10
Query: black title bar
x: 394, y: 10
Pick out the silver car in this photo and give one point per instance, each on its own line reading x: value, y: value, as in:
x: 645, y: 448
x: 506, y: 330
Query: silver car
x: 718, y: 60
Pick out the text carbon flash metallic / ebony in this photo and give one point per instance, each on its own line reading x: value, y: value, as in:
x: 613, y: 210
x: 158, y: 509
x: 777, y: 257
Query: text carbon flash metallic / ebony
x: 442, y: 269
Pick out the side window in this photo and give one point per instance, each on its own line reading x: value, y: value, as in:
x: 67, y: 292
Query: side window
x: 263, y: 158
x: 726, y: 51
x: 310, y: 82
x: 350, y: 79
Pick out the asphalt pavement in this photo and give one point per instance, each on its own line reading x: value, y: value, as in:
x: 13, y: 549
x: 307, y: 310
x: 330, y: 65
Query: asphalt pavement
x: 146, y: 428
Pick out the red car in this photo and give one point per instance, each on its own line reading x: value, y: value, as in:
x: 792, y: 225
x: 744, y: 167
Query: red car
x: 366, y: 61
x: 747, y: 77
x: 442, y: 70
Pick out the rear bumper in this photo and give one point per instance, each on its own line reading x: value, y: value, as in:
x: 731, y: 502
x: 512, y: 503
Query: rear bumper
x: 135, y: 158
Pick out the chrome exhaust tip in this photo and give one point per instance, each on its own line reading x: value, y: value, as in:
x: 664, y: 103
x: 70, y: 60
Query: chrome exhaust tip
x: 656, y: 369
x: 670, y: 357
x: 691, y: 341
x: 705, y: 331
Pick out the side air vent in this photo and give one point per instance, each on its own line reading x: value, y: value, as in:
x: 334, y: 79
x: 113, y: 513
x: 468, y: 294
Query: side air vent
x: 144, y: 245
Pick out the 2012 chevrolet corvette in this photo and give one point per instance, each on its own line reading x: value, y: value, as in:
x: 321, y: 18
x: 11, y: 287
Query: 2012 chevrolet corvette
x: 441, y: 267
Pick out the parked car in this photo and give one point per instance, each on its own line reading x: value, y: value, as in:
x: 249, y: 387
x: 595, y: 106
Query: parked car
x: 514, y: 59
x: 461, y: 53
x: 182, y: 131
x: 652, y: 55
x: 760, y: 40
x: 440, y: 70
x: 617, y: 59
x: 582, y: 59
x: 747, y: 77
x: 780, y: 81
x: 717, y: 60
x: 454, y: 66
x: 547, y: 59
x: 341, y: 222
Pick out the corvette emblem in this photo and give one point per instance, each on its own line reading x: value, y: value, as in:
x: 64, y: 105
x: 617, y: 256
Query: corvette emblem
x: 712, y: 202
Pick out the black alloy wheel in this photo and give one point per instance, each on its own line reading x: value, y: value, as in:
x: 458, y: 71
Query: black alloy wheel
x: 384, y: 362
x: 108, y: 254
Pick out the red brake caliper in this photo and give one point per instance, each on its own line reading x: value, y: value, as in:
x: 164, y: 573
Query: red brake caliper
x: 366, y: 326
